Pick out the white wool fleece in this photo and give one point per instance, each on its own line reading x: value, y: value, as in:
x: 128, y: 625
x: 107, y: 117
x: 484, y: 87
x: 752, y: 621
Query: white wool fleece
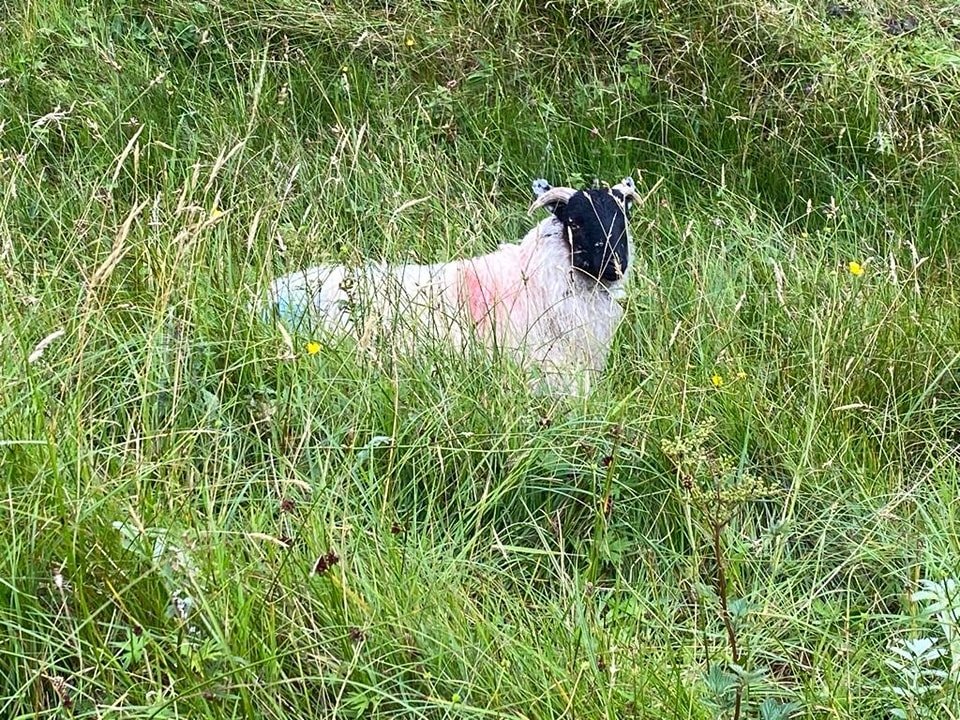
x: 523, y: 298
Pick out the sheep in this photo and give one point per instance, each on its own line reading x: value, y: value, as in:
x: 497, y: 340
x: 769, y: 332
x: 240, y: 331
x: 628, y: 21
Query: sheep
x: 551, y: 300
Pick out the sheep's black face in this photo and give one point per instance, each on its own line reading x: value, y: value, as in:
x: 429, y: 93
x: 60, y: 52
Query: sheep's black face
x: 595, y: 224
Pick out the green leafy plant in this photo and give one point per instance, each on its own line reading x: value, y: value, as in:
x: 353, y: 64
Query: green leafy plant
x: 715, y: 489
x: 924, y: 680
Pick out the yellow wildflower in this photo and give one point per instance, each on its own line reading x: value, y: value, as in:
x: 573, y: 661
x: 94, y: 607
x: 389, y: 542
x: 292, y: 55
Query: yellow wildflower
x: 410, y: 42
x: 313, y: 347
x: 856, y: 269
x: 717, y: 379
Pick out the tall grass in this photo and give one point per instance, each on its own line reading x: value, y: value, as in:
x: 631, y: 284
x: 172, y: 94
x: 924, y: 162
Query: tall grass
x: 206, y: 520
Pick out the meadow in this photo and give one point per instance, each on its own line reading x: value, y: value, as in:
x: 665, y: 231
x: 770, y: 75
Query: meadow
x: 753, y: 515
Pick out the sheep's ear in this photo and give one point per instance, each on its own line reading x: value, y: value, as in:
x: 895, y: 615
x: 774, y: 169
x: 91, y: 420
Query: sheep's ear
x: 548, y: 196
x: 628, y: 189
x: 540, y: 186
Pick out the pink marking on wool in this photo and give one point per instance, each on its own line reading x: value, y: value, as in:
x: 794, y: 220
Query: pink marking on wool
x: 492, y: 287
x: 477, y: 296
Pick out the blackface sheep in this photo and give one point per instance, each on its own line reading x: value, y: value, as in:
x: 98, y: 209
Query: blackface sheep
x: 550, y: 301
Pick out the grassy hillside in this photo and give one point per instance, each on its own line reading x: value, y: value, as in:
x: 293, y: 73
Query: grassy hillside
x: 206, y: 520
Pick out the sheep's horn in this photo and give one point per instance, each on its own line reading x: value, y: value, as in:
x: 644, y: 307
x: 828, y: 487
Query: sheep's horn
x: 627, y: 188
x: 553, y: 195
